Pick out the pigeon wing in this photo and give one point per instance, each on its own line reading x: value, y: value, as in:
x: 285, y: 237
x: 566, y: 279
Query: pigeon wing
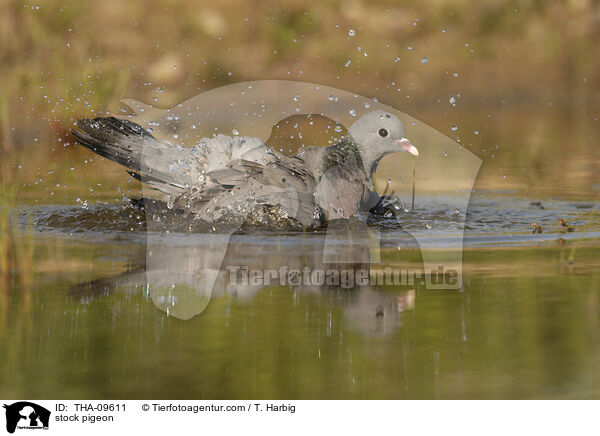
x: 243, y: 187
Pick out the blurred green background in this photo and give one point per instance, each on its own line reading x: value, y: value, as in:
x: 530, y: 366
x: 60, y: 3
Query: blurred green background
x: 518, y: 78
x: 66, y: 59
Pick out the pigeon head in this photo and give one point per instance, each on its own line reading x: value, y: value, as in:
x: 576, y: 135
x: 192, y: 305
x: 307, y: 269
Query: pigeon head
x: 377, y: 134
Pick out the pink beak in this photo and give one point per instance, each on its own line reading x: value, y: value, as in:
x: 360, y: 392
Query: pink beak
x: 407, y: 146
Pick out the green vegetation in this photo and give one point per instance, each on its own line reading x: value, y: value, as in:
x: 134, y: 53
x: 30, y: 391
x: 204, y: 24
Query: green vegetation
x: 61, y: 60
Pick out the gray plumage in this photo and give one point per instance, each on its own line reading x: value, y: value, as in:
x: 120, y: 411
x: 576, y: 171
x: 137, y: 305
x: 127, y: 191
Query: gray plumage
x: 227, y: 178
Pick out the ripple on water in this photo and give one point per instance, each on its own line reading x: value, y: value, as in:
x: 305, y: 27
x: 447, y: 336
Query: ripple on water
x: 489, y: 220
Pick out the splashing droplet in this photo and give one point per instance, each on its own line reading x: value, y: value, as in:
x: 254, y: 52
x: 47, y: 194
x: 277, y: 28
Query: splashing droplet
x: 454, y: 127
x: 351, y: 32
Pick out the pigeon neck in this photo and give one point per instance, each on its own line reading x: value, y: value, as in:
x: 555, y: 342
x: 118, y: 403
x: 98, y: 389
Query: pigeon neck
x: 371, y: 156
x: 373, y: 166
x: 344, y: 152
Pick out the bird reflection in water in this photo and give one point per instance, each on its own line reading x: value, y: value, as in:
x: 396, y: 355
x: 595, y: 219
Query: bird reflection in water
x: 182, y: 274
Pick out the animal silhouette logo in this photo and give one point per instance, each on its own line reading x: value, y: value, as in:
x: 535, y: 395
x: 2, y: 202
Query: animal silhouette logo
x: 246, y: 180
x: 26, y: 415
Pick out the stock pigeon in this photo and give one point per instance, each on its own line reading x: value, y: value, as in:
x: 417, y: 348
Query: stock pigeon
x: 227, y: 178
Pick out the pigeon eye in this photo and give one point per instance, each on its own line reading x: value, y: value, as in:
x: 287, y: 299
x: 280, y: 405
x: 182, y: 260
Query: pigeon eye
x: 383, y: 133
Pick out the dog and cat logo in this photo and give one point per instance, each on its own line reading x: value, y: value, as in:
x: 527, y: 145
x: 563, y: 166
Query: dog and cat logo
x: 26, y: 415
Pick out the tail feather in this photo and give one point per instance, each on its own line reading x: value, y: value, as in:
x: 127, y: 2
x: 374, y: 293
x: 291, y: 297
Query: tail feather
x: 154, y: 162
x: 118, y: 140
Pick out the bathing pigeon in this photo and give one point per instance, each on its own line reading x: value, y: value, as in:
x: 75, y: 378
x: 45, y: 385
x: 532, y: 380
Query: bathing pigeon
x: 227, y: 178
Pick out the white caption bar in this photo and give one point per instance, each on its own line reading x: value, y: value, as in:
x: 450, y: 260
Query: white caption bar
x: 299, y: 417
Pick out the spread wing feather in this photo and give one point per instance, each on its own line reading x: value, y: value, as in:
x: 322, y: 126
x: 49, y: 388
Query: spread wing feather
x: 220, y: 175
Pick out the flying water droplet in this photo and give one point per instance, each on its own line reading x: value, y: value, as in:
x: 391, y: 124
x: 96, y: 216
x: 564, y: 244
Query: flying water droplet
x: 454, y: 127
x: 351, y: 32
